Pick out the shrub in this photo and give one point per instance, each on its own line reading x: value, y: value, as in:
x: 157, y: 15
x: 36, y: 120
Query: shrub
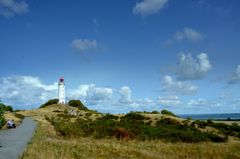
x: 189, y: 118
x: 201, y: 124
x: 166, y: 112
x: 132, y: 126
x: 109, y: 117
x: 155, y: 112
x: 19, y: 115
x: 2, y: 119
x: 78, y: 104
x: 50, y: 102
x: 8, y: 108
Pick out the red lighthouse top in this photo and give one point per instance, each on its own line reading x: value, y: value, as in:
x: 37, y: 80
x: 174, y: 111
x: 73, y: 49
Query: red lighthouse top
x: 61, y: 79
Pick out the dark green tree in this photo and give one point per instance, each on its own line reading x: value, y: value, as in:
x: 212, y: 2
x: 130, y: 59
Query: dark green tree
x: 8, y: 108
x: 167, y: 112
x: 2, y: 119
x: 49, y: 102
x: 78, y: 104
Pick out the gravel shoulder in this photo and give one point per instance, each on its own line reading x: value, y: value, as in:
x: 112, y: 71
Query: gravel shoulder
x: 14, y: 141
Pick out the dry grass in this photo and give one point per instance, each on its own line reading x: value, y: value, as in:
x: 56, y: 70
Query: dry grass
x: 53, y: 110
x: 47, y: 144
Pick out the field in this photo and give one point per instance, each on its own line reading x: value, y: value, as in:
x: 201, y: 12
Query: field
x: 47, y: 143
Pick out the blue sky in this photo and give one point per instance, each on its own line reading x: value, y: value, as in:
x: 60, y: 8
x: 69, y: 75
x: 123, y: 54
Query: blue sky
x: 118, y: 56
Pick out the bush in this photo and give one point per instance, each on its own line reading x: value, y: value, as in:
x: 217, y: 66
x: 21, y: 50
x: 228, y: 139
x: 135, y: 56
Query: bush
x: 78, y: 104
x: 201, y: 124
x: 133, y: 117
x: 19, y: 116
x: 109, y: 117
x: 132, y: 126
x: 49, y: 102
x: 2, y: 119
x: 166, y: 112
x: 155, y: 112
x: 224, y: 129
x: 8, y: 108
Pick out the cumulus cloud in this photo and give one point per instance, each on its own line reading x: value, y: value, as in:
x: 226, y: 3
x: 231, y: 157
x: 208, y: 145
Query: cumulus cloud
x: 83, y: 45
x: 9, y: 8
x: 235, y: 77
x: 26, y: 90
x: 126, y: 100
x: 125, y: 95
x: 91, y: 94
x: 148, y: 7
x: 177, y: 87
x: 96, y: 95
x: 169, y: 101
x: 189, y: 68
x: 188, y: 34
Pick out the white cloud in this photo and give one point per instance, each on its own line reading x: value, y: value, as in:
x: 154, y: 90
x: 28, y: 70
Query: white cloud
x: 96, y: 95
x: 126, y: 100
x: 26, y: 90
x: 8, y: 8
x: 177, y: 87
x: 188, y: 34
x: 235, y: 77
x: 83, y: 45
x: 189, y: 68
x: 169, y: 101
x: 91, y: 94
x: 148, y: 7
x: 125, y: 95
x: 198, y: 102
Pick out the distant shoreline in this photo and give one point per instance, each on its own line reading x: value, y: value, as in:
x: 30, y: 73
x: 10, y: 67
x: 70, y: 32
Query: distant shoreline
x: 218, y: 117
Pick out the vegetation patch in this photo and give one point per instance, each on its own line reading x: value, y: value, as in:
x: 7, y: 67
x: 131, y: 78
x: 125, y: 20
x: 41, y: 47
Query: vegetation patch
x: 19, y: 115
x: 78, y: 104
x: 225, y: 129
x: 167, y: 112
x: 49, y: 102
x: 132, y: 126
x: 2, y: 119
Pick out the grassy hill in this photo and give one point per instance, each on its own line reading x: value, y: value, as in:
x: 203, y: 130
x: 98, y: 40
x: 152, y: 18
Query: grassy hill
x: 68, y: 132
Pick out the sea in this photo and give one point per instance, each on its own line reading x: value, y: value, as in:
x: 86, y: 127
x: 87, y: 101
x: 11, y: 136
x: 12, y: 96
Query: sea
x: 224, y: 116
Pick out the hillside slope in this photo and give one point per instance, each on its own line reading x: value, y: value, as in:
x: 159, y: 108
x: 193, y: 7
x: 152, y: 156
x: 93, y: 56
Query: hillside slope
x: 49, y: 143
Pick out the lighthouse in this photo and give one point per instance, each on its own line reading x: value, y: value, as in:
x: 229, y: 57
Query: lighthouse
x: 61, y: 91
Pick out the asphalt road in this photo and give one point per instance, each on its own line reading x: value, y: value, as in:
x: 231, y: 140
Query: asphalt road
x: 14, y: 141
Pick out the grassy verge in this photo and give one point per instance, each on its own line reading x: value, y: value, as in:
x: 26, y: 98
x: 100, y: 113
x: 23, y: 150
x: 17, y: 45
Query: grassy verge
x: 47, y: 144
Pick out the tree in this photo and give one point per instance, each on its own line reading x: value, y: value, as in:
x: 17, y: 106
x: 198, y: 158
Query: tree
x: 2, y: 119
x: 8, y: 108
x: 49, y: 102
x: 78, y: 104
x: 166, y: 112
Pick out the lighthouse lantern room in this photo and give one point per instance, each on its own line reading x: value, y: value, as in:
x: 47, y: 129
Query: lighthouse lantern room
x: 61, y: 91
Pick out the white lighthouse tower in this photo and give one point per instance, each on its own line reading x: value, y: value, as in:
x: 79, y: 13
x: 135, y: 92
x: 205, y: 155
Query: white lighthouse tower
x: 61, y: 91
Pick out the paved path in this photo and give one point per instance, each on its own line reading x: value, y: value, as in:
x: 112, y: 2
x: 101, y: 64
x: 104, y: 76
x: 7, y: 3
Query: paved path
x: 13, y: 141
